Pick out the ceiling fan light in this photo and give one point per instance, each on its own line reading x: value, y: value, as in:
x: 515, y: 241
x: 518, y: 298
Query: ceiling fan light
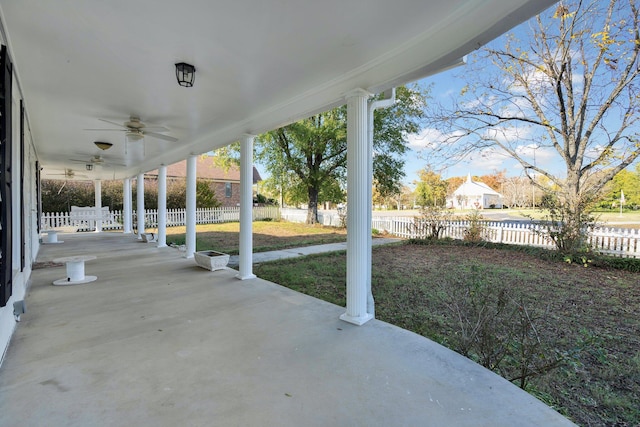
x: 103, y: 145
x: 185, y: 73
x: 134, y: 136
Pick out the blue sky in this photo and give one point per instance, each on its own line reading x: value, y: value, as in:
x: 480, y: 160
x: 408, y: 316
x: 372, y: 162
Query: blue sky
x: 444, y: 86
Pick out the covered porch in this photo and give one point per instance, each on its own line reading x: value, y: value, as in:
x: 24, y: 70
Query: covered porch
x: 158, y: 341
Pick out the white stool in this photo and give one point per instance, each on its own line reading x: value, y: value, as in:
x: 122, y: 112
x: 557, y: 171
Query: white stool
x: 75, y: 270
x: 52, y: 236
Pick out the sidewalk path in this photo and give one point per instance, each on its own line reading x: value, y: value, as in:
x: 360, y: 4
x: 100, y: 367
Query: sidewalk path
x: 306, y: 250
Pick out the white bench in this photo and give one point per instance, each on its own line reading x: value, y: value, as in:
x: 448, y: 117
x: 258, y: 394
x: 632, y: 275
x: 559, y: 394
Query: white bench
x: 84, y: 217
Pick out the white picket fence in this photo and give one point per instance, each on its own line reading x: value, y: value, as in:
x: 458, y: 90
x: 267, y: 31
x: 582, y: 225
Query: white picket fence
x: 112, y: 220
x: 612, y: 241
x: 329, y: 218
x: 621, y: 242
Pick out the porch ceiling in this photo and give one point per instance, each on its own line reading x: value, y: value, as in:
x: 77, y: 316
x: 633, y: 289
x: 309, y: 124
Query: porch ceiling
x: 259, y: 65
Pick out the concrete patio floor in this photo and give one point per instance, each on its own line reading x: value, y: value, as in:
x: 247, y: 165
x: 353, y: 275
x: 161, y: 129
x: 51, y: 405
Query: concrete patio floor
x: 158, y: 341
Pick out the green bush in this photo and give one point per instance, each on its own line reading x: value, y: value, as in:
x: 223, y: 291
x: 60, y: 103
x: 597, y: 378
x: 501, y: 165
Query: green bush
x: 475, y: 230
x: 59, y: 195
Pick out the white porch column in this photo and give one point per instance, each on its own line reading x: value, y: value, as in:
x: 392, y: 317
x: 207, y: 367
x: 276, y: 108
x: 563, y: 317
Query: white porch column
x: 140, y: 207
x: 358, y: 206
x: 162, y: 206
x: 246, y: 209
x: 97, y: 185
x: 387, y: 101
x: 191, y: 207
x: 126, y: 207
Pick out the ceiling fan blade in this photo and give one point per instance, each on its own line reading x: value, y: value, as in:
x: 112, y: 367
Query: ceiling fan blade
x: 111, y: 164
x: 113, y: 123
x: 78, y: 161
x: 155, y: 128
x: 106, y: 130
x: 161, y: 136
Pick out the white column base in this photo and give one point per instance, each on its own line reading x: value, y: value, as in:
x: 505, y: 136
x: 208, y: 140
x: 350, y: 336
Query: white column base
x: 359, y: 321
x: 246, y: 277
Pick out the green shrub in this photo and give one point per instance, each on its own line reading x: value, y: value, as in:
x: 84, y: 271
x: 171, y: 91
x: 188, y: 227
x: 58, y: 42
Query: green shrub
x: 475, y: 230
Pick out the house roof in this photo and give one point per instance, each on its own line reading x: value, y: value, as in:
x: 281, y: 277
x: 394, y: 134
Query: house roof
x: 260, y: 64
x: 473, y: 188
x: 207, y: 169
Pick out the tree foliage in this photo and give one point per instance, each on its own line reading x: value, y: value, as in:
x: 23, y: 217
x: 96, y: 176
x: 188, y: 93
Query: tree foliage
x: 626, y: 182
x: 431, y: 189
x: 569, y: 91
x: 59, y: 195
x: 309, y: 157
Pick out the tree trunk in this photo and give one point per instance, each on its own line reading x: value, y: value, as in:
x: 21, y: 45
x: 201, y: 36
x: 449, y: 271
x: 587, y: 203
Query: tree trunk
x: 312, y: 210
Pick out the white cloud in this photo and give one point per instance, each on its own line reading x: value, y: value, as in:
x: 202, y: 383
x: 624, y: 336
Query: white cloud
x: 431, y: 138
x: 537, y: 154
x: 508, y: 135
x: 487, y: 161
x: 594, y: 151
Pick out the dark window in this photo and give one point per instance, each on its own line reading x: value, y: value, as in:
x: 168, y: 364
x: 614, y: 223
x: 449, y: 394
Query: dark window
x: 227, y: 189
x: 23, y: 228
x: 6, y: 226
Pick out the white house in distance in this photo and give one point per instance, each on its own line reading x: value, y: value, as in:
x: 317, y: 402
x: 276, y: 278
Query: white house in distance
x: 474, y: 195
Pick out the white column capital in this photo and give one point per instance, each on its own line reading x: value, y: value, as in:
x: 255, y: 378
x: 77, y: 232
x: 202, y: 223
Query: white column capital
x: 358, y: 93
x: 248, y: 136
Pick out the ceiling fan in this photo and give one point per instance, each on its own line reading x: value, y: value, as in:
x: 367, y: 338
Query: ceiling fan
x: 97, y: 160
x: 137, y: 130
x: 68, y: 174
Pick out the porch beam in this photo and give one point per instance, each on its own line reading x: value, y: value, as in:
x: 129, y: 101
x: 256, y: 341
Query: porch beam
x: 191, y: 207
x: 140, y: 204
x: 246, y: 205
x: 358, y: 207
x: 162, y: 206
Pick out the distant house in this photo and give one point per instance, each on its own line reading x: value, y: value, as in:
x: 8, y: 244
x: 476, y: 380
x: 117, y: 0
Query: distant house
x: 474, y: 195
x: 224, y: 182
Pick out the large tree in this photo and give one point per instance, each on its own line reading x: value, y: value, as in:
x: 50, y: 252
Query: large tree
x: 431, y: 189
x: 567, y: 90
x: 311, y: 155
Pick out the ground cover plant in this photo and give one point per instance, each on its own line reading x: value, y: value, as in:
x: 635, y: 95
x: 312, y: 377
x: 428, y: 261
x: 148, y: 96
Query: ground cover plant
x: 267, y: 236
x: 572, y: 332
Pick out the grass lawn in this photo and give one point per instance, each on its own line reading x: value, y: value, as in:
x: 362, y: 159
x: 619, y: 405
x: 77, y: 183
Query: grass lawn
x: 267, y: 236
x: 586, y: 317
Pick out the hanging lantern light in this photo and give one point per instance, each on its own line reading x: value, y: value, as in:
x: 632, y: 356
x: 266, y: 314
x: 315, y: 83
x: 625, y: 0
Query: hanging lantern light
x: 185, y: 73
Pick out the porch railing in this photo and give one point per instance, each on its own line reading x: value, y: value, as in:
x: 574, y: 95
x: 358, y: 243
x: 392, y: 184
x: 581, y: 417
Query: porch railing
x: 113, y: 220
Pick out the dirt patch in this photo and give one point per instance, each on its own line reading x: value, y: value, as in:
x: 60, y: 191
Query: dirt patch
x: 45, y: 264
